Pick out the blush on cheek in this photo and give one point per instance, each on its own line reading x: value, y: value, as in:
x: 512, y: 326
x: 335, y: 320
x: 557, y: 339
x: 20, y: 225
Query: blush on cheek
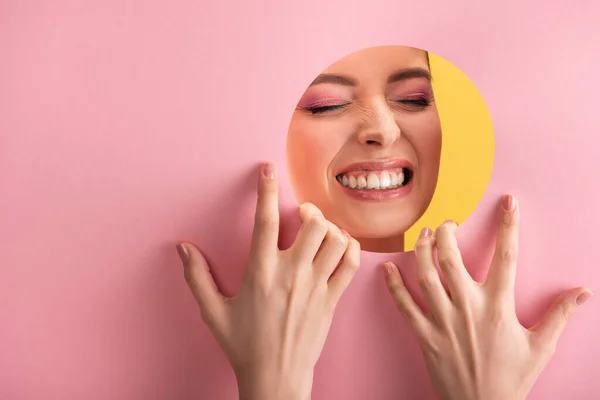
x: 424, y: 132
x: 310, y: 156
x: 301, y: 150
x: 316, y: 160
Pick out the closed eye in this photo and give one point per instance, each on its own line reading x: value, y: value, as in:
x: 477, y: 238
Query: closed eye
x: 324, y: 109
x: 420, y: 102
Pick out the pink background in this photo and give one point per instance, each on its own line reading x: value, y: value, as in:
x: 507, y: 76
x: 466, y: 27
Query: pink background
x: 126, y: 126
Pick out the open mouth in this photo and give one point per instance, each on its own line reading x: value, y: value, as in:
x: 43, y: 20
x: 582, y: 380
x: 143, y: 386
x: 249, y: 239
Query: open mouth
x: 377, y: 180
x: 384, y: 179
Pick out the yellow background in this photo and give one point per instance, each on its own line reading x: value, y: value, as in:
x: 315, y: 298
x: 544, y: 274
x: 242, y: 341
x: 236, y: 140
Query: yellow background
x: 467, y: 149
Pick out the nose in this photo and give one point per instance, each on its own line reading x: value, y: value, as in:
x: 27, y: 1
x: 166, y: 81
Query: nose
x: 379, y: 127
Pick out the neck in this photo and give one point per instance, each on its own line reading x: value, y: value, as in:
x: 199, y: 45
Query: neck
x: 392, y: 244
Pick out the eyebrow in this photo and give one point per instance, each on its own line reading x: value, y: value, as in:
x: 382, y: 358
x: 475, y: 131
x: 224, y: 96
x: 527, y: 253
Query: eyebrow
x: 397, y: 76
x: 409, y: 73
x: 335, y: 79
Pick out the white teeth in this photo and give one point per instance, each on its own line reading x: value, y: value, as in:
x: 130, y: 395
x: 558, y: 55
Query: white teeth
x: 400, y: 177
x: 361, y: 182
x: 385, y: 180
x: 372, y: 181
x: 352, y: 182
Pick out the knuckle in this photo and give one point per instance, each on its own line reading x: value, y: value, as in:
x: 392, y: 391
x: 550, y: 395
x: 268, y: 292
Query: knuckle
x: 508, y: 219
x: 446, y: 227
x: 423, y: 244
x: 428, y: 279
x: 401, y: 306
x: 405, y: 310
x: 395, y: 288
x: 354, y: 249
x: 448, y: 261
x: 190, y: 279
x: 352, y: 264
x: 265, y: 219
x: 351, y: 259
x: 269, y: 187
x: 566, y: 310
x: 189, y: 275
x: 318, y: 223
x: 508, y: 255
x: 206, y: 316
x: 338, y: 239
x: 399, y: 293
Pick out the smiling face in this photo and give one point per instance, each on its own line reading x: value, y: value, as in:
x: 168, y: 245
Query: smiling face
x: 364, y: 144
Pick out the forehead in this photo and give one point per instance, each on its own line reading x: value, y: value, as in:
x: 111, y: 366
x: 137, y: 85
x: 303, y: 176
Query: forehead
x: 378, y: 61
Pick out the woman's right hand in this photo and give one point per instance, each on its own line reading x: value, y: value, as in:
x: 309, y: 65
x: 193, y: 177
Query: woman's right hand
x: 274, y: 329
x: 474, y: 346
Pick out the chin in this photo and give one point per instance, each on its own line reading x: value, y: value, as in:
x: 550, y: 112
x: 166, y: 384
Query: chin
x: 377, y: 228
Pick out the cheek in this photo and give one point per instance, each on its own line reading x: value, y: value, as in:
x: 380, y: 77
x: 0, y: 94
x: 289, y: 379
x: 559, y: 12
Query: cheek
x: 311, y: 147
x: 426, y: 140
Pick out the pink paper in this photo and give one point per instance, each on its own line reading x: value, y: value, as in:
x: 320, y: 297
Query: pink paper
x: 126, y: 127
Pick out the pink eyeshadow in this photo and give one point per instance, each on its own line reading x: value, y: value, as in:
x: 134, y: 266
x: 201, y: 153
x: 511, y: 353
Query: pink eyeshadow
x: 413, y: 89
x: 321, y: 101
x: 322, y: 96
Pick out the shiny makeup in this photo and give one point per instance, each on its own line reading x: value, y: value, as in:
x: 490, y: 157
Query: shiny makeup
x: 364, y: 144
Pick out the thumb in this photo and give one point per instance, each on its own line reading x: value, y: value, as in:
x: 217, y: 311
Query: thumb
x: 308, y: 210
x: 549, y: 329
x: 201, y: 283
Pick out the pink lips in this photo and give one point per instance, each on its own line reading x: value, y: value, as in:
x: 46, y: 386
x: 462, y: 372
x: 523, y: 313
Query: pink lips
x: 376, y: 166
x: 372, y: 166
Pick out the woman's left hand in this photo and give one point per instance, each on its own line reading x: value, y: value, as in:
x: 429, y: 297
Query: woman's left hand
x: 474, y: 346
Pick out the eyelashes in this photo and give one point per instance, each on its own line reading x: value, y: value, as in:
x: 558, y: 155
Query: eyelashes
x: 417, y: 103
x: 324, y: 109
x: 421, y: 102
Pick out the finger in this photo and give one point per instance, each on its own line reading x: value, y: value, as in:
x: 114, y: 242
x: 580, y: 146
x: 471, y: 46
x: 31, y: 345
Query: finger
x: 345, y: 271
x: 404, y: 300
x: 201, y: 283
x: 501, y: 277
x: 549, y: 329
x: 333, y: 246
x: 310, y: 236
x: 266, y: 221
x: 331, y: 252
x: 451, y: 264
x: 429, y: 280
x: 308, y: 210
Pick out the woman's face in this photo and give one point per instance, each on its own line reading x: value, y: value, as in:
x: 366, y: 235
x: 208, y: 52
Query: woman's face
x: 364, y: 144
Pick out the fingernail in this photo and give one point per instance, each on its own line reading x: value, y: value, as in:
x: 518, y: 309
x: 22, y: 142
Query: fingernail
x: 583, y: 297
x: 389, y: 268
x: 269, y: 170
x: 183, y: 253
x: 509, y: 203
x: 425, y: 232
x: 451, y: 222
x: 345, y: 232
